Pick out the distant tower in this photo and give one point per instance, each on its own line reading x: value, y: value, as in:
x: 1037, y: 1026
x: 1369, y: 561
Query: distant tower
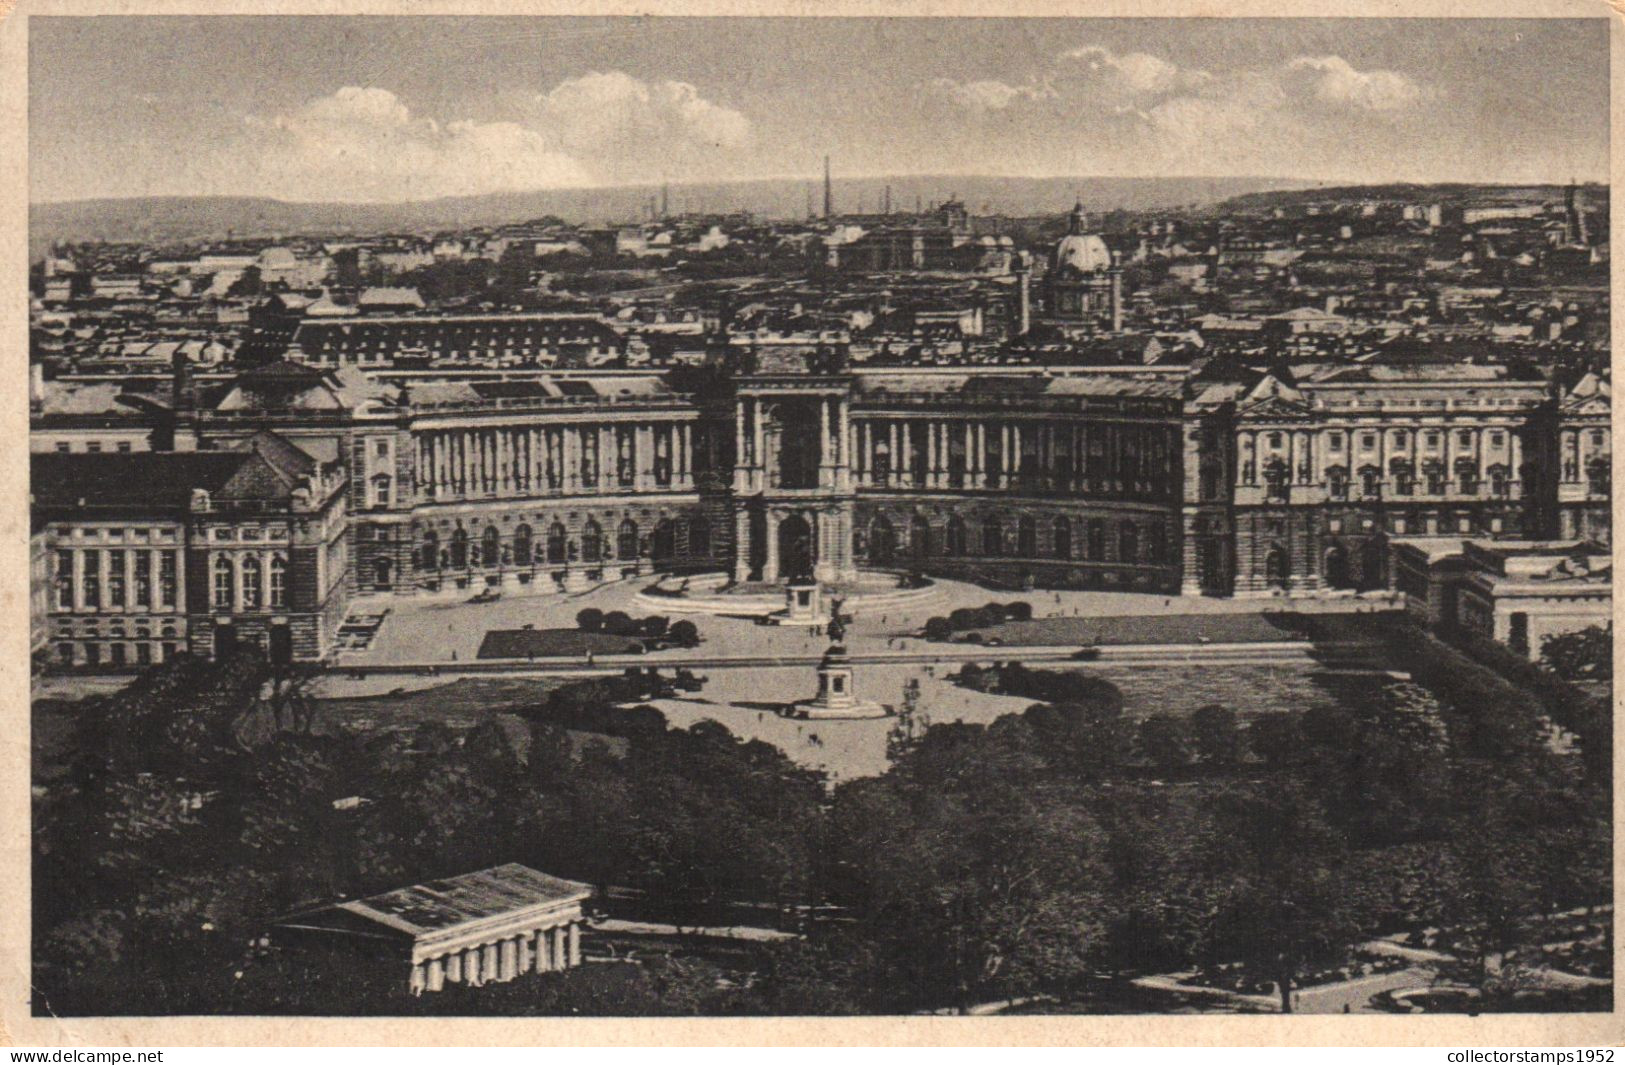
x: 1574, y: 228
x: 665, y: 200
x: 829, y: 193
x: 888, y: 199
x: 810, y: 212
x: 1077, y: 221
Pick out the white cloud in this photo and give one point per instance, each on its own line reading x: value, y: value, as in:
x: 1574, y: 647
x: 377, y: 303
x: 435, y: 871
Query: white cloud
x: 1334, y: 80
x: 365, y: 143
x: 1136, y: 72
x: 985, y: 95
x: 605, y: 110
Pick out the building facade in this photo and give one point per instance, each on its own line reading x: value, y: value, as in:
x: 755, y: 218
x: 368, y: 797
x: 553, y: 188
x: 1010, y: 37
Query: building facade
x: 789, y: 463
x: 149, y: 554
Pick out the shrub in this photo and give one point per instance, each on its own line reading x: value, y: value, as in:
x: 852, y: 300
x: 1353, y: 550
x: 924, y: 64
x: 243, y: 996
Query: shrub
x: 964, y: 618
x: 938, y: 629
x: 654, y: 627
x: 590, y: 619
x: 619, y: 623
x: 1018, y: 611
x: 684, y: 634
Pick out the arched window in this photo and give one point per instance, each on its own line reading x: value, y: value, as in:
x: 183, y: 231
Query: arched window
x: 1062, y: 547
x: 1498, y: 480
x: 1276, y: 475
x: 1027, y: 537
x: 992, y: 536
x: 225, y: 583
x: 1404, y: 475
x: 490, y: 546
x: 1157, y: 544
x: 1599, y: 475
x: 882, y: 541
x: 1275, y: 567
x: 1467, y: 474
x: 1096, y: 542
x: 557, y: 542
x: 626, y: 540
x: 664, y: 545
x: 429, y: 555
x: 522, y: 545
x: 592, y: 542
x: 459, y: 548
x: 956, y: 537
x: 1433, y: 471
x: 1128, y: 542
x: 699, y: 537
x: 919, y: 537
x: 279, y: 582
x: 1370, y: 481
x: 252, y: 574
x: 1337, y: 482
x: 382, y: 569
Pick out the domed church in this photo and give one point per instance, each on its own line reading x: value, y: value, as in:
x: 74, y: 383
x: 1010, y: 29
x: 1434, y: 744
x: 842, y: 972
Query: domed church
x: 1084, y: 280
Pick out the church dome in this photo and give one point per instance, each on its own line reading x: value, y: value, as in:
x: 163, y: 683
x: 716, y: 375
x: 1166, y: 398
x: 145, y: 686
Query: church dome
x: 1084, y: 252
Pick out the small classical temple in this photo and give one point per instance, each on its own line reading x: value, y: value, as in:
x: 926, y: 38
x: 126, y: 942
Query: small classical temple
x: 484, y: 927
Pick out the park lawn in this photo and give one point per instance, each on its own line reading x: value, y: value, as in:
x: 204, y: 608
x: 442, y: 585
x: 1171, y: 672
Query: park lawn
x: 554, y: 643
x: 1143, y: 629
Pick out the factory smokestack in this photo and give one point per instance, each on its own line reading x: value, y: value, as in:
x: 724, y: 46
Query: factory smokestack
x: 829, y: 194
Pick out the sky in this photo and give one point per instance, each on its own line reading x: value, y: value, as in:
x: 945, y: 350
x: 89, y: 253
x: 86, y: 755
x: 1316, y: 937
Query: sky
x: 394, y: 109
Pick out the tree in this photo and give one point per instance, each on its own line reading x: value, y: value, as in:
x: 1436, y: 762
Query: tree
x: 618, y: 623
x: 1283, y: 905
x: 1163, y: 742
x: 1275, y: 737
x: 938, y: 629
x: 1215, y: 736
x: 684, y: 633
x: 590, y: 619
x: 1587, y: 654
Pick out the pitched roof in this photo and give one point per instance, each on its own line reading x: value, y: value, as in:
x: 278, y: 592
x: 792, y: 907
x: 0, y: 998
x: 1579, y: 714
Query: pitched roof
x: 267, y: 468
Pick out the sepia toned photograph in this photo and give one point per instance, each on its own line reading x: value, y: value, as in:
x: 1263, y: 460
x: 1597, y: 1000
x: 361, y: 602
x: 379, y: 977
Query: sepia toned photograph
x: 657, y: 516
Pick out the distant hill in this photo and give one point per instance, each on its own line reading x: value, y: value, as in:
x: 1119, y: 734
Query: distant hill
x: 185, y: 218
x: 1264, y: 200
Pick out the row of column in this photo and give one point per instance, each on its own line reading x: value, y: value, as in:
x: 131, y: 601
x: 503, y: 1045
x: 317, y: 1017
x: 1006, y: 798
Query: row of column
x: 562, y: 459
x: 1308, y: 458
x: 751, y: 450
x: 156, y: 587
x: 981, y: 454
x: 545, y: 950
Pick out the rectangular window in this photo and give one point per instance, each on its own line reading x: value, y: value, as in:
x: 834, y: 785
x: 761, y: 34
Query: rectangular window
x: 115, y: 578
x: 1368, y: 441
x: 1498, y: 439
x: 1400, y: 438
x: 1334, y: 441
x: 64, y: 580
x: 93, y: 654
x: 124, y: 447
x: 166, y: 579
x: 63, y: 447
x: 143, y: 580
x: 279, y: 583
x: 91, y: 581
x: 1275, y: 440
x: 1465, y: 438
x: 94, y: 447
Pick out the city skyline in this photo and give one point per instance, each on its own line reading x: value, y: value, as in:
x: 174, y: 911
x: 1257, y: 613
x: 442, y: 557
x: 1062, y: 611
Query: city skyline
x: 400, y: 109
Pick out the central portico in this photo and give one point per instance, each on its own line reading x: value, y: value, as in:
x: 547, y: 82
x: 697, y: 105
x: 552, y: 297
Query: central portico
x: 793, y: 478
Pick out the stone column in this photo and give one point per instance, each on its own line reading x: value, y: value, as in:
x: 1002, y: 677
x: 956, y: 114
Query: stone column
x: 770, y: 568
x: 544, y: 955
x: 895, y: 477
x: 508, y: 959
x: 436, y: 969
x: 561, y: 948
x: 417, y: 981
x: 741, y: 545
x: 491, y: 963
x: 844, y: 460
x: 472, y: 973
x: 931, y: 454
x: 575, y: 944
